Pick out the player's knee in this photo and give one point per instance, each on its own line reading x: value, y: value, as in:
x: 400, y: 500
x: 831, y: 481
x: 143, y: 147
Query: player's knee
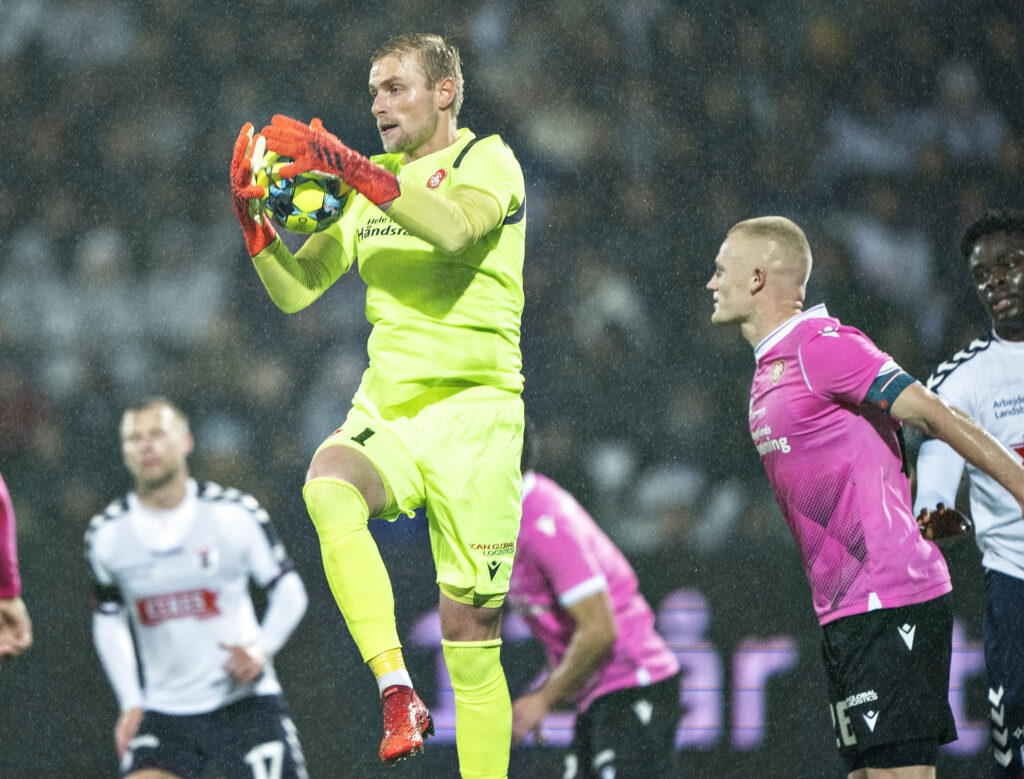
x: 462, y: 620
x: 342, y: 463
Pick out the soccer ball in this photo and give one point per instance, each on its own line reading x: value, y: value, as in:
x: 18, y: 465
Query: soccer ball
x: 306, y: 203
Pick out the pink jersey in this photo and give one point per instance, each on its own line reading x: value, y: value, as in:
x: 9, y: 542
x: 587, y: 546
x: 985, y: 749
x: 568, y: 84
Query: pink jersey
x: 562, y: 557
x: 10, y: 581
x: 836, y: 467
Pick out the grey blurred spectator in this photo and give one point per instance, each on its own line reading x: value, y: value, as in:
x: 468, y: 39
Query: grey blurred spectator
x: 962, y: 121
x: 667, y: 508
x: 874, y: 136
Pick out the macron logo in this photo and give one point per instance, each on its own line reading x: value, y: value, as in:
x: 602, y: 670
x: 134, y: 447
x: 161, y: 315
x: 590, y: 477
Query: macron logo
x: 644, y: 709
x: 907, y: 634
x: 870, y: 719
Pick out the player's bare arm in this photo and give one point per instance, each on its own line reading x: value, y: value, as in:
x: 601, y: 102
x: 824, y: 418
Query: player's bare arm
x: 591, y: 642
x: 922, y: 408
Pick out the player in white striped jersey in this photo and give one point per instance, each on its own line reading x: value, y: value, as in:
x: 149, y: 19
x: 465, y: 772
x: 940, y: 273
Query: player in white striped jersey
x: 174, y: 623
x: 987, y: 381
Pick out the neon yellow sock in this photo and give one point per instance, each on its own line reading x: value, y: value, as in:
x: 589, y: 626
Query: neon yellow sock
x: 483, y: 708
x: 386, y: 662
x: 355, y: 571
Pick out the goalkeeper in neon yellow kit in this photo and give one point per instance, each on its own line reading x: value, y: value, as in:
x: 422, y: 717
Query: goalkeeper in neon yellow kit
x: 437, y: 224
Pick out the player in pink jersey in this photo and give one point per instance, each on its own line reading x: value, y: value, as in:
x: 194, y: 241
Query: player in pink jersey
x: 15, y: 626
x: 825, y: 412
x: 581, y: 599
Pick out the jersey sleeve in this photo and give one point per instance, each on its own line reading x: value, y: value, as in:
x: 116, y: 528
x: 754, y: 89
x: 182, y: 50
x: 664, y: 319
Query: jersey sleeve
x: 10, y: 579
x: 268, y: 559
x: 294, y: 281
x: 488, y: 191
x: 105, y: 597
x: 112, y: 638
x: 939, y: 469
x: 842, y: 364
x: 491, y: 167
x: 560, y: 551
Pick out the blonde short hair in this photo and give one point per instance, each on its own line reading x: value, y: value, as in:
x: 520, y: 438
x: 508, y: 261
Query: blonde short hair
x: 783, y: 231
x: 437, y: 59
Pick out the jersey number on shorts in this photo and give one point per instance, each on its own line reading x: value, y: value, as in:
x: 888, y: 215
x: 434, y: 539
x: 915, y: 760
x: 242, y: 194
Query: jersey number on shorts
x: 266, y: 760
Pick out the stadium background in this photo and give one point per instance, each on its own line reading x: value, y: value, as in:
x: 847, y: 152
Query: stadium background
x: 645, y: 130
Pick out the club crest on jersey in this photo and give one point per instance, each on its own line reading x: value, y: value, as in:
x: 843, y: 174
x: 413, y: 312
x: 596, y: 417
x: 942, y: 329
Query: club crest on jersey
x: 778, y: 368
x: 435, y: 180
x: 206, y: 559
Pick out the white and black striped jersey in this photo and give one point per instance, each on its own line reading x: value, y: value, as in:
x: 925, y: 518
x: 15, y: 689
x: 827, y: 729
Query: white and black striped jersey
x: 987, y: 381
x: 181, y: 577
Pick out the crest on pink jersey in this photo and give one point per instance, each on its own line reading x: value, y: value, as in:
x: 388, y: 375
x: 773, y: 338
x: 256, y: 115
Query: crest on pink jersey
x: 435, y: 180
x: 778, y: 368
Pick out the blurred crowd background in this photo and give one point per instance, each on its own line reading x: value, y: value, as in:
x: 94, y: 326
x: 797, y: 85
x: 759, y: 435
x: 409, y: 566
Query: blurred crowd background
x: 645, y: 130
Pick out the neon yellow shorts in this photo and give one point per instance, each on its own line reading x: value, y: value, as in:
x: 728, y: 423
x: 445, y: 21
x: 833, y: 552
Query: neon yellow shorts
x: 457, y: 453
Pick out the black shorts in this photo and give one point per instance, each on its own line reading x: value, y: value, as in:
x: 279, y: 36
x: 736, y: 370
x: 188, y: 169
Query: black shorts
x: 248, y: 739
x: 888, y: 684
x: 627, y: 733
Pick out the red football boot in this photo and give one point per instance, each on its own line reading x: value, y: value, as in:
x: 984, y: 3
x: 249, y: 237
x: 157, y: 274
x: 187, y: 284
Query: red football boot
x: 406, y: 724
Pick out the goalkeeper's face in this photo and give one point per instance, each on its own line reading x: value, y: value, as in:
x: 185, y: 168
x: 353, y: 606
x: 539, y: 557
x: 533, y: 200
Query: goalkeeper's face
x: 155, y: 443
x: 405, y: 106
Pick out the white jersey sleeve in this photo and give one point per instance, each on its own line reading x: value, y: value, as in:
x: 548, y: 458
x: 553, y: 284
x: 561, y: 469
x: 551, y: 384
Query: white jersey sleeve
x: 286, y: 605
x: 110, y: 629
x: 939, y: 470
x: 113, y: 641
x: 986, y: 380
x: 268, y: 560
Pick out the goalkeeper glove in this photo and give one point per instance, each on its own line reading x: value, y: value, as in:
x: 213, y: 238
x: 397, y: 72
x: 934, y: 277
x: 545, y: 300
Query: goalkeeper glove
x: 944, y: 525
x: 246, y: 196
x: 314, y: 149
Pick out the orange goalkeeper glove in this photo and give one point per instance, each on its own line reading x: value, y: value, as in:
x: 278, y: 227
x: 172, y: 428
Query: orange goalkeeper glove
x: 314, y: 149
x: 246, y: 195
x: 944, y: 525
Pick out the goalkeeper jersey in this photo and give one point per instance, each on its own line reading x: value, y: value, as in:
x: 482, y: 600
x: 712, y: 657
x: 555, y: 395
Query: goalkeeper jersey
x: 440, y: 319
x: 987, y: 381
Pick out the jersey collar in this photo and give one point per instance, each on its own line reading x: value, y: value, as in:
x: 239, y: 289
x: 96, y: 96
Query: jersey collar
x: 780, y: 332
x: 1008, y: 344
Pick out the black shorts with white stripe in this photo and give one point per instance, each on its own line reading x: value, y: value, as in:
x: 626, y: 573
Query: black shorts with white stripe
x: 627, y: 733
x: 888, y: 683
